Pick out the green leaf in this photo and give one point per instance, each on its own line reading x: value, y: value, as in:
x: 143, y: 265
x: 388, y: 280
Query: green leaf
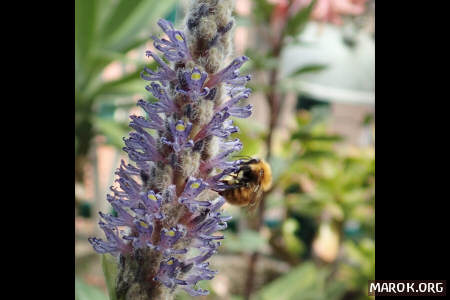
x: 129, y: 18
x: 311, y: 68
x: 250, y: 134
x: 89, y: 79
x: 87, y: 292
x: 85, y: 25
x: 278, y: 165
x: 306, y: 136
x: 109, y: 266
x: 262, y: 10
x: 297, y: 23
x: 247, y: 241
x: 127, y: 84
x: 293, y: 244
x: 113, y: 131
x: 243, y: 21
x: 303, y: 282
x: 335, y: 290
x: 259, y: 60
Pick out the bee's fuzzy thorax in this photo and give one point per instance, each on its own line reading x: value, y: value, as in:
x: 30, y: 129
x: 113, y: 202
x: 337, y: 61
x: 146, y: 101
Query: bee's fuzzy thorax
x: 266, y: 182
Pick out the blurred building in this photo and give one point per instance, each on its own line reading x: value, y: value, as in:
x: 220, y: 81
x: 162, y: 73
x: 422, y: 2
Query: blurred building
x: 346, y: 85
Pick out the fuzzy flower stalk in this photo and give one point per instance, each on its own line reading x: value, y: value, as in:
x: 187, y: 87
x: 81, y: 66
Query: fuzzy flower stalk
x: 166, y: 200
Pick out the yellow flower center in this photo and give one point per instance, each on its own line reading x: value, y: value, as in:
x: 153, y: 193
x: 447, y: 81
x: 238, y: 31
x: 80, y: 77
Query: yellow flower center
x: 170, y: 233
x: 152, y: 197
x: 143, y: 224
x: 180, y: 127
x: 196, y: 76
x: 179, y: 37
x: 170, y: 262
x: 195, y: 185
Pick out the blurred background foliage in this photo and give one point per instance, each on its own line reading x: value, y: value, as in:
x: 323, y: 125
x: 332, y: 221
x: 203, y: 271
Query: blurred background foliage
x: 316, y: 236
x: 106, y: 34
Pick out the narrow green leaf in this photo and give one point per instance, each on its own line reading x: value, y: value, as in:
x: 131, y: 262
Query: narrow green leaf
x: 90, y: 78
x: 262, y: 10
x: 87, y: 292
x: 113, y: 131
x: 123, y: 11
x: 109, y: 266
x: 250, y: 134
x: 335, y: 290
x: 85, y: 25
x: 297, y: 23
x: 305, y: 136
x: 119, y: 85
x: 129, y: 19
x: 279, y: 165
x: 310, y: 68
x: 303, y: 282
x: 247, y: 241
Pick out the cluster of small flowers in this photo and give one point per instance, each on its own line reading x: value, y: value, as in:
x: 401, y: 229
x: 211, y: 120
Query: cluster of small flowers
x: 186, y: 239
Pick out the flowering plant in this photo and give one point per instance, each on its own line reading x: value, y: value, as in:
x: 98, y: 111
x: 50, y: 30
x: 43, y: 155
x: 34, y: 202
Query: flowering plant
x: 168, y: 209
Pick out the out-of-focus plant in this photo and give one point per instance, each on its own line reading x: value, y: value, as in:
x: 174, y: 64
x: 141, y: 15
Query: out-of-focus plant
x: 105, y: 31
x: 305, y: 281
x: 277, y: 24
x: 333, y: 10
x: 333, y: 187
x: 87, y: 292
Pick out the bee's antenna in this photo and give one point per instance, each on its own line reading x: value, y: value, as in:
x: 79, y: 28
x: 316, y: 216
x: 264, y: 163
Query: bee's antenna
x: 242, y: 156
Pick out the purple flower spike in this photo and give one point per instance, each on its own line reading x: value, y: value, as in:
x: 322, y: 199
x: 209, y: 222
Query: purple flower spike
x: 169, y: 195
x: 238, y: 80
x: 200, y: 271
x: 176, y: 49
x: 241, y: 111
x: 180, y: 133
x: 170, y: 236
x: 150, y: 206
x: 157, y: 123
x: 193, y: 188
x: 164, y: 74
x: 114, y: 245
x: 233, y: 109
x: 220, y: 201
x: 225, y: 130
x: 192, y: 84
x: 230, y: 74
x: 129, y: 186
x: 154, y: 121
x: 123, y: 217
x: 215, y: 182
x: 168, y: 270
x: 164, y: 105
x: 167, y: 215
x: 218, y: 126
x: 152, y: 201
x: 140, y: 149
x: 220, y: 160
x: 145, y: 230
x: 195, y: 292
x: 236, y: 90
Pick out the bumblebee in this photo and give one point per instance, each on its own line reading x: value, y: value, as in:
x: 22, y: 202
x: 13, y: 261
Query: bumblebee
x: 245, y: 187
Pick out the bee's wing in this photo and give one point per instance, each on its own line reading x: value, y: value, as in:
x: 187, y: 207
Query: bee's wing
x: 255, y: 198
